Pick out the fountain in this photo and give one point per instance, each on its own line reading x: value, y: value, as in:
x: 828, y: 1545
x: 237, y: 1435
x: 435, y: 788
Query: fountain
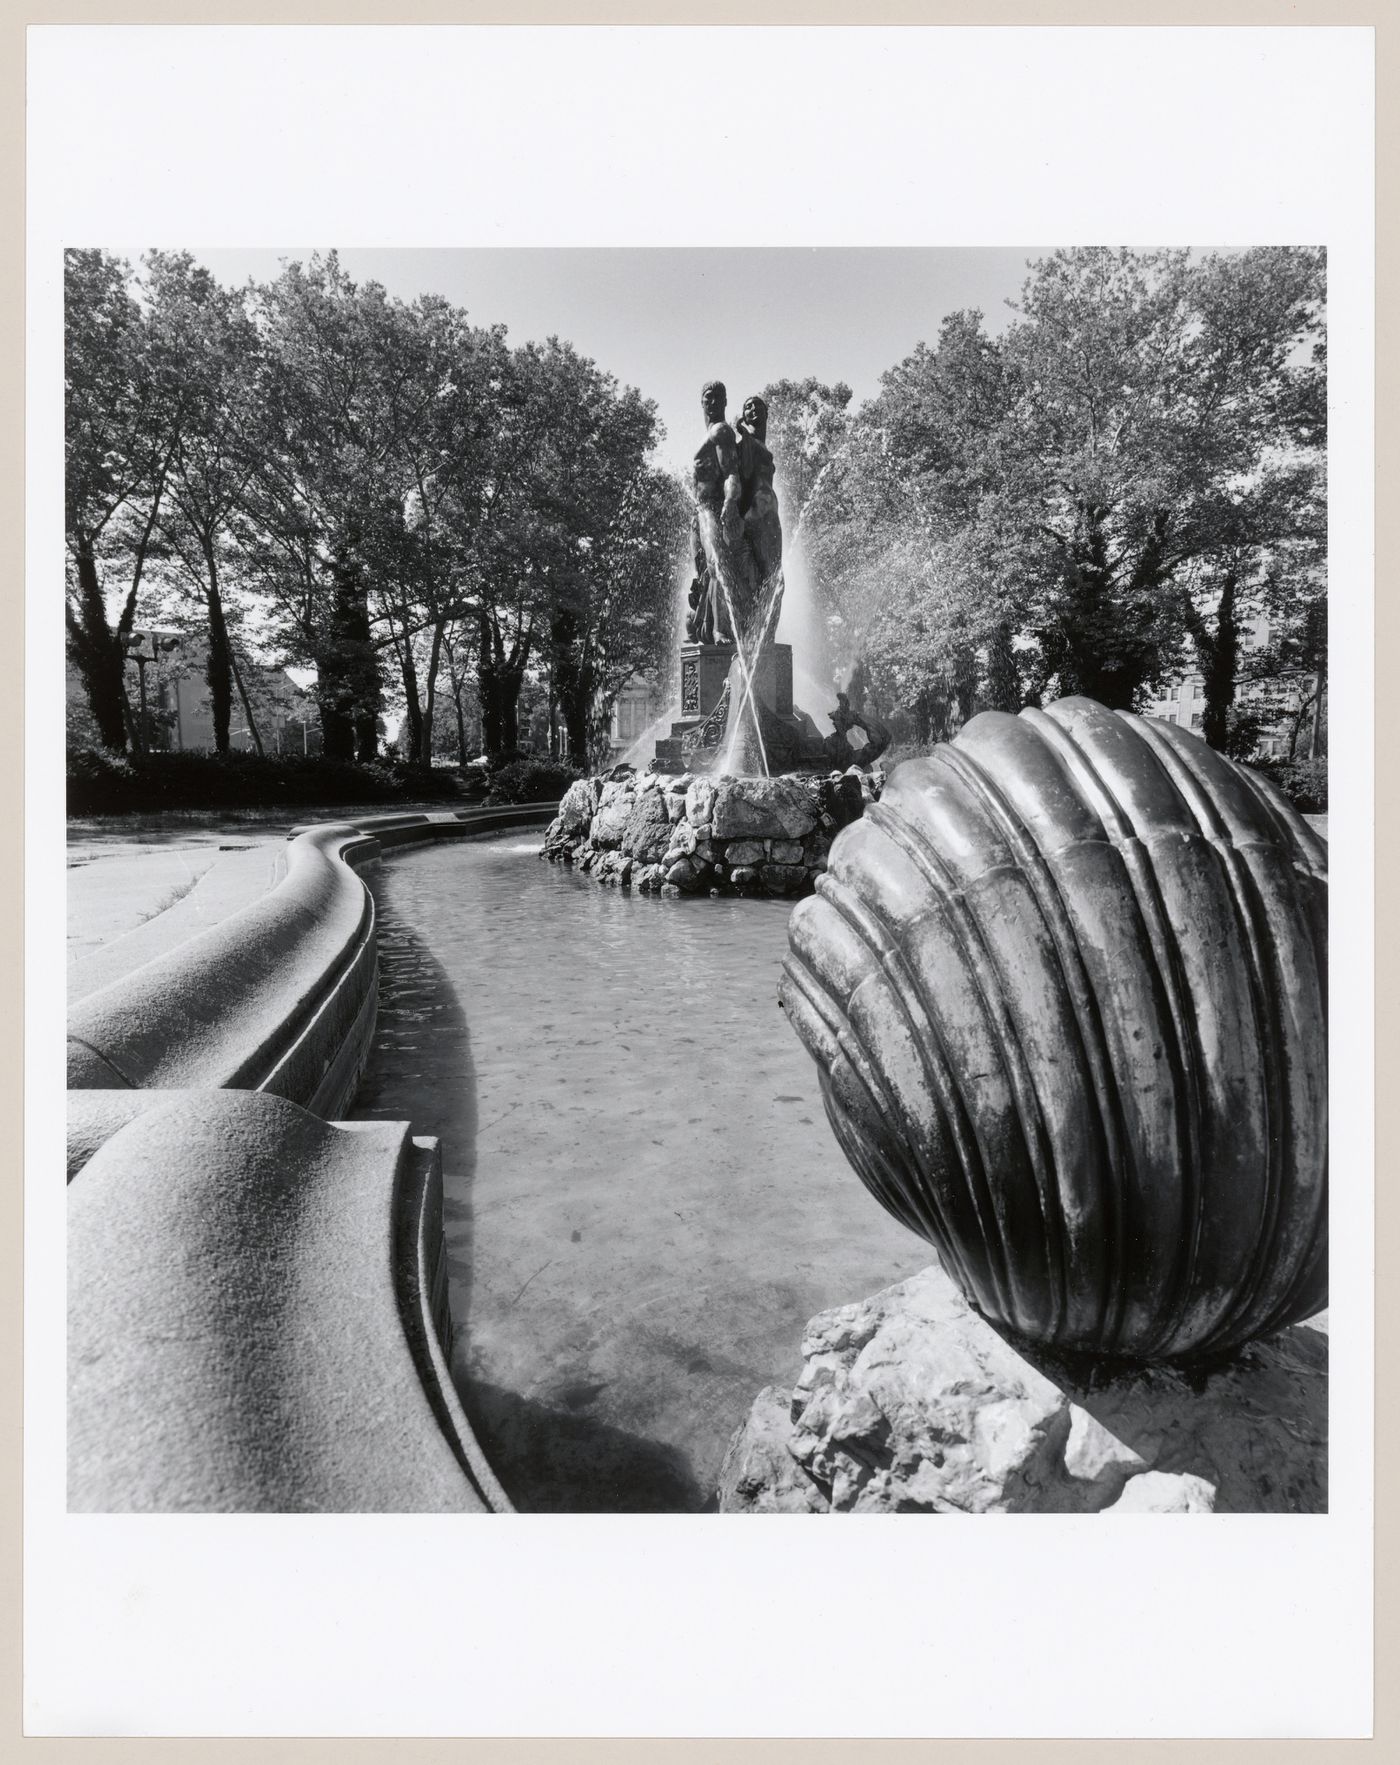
x: 745, y: 793
x: 737, y: 711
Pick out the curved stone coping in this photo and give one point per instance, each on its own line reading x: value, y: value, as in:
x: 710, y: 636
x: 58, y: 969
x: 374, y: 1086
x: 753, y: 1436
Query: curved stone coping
x: 255, y: 1306
x: 279, y: 996
x: 226, y: 886
x: 230, y: 1007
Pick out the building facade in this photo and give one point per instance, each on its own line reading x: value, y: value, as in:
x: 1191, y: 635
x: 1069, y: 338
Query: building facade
x: 168, y: 701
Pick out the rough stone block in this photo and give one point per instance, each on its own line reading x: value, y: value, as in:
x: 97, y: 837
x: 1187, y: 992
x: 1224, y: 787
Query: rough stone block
x: 1165, y: 1492
x: 614, y: 812
x: 648, y: 830
x: 577, y: 807
x: 763, y: 808
x: 759, y: 1474
x: 910, y: 1401
x: 786, y: 851
x: 699, y: 802
x: 783, y: 879
x: 745, y: 852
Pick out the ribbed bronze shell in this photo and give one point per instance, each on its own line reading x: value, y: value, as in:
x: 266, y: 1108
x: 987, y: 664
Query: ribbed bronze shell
x: 1066, y: 985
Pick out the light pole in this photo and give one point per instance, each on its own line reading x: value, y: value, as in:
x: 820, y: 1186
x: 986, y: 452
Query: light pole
x: 136, y: 653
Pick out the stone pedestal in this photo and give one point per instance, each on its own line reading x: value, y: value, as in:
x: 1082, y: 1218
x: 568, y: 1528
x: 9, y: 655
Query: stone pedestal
x: 705, y: 667
x: 704, y: 670
x: 911, y: 1402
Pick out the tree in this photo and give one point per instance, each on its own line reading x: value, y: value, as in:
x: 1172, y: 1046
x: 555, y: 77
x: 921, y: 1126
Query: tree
x: 124, y: 405
x: 322, y: 507
x: 808, y: 424
x: 611, y: 531
x: 206, y: 329
x: 1063, y: 503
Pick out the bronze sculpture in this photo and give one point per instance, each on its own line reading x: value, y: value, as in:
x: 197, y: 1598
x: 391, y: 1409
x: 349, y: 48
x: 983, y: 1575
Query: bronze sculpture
x: 737, y: 713
x: 1066, y: 985
x: 763, y: 532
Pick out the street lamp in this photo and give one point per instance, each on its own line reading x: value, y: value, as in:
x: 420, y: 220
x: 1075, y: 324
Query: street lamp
x: 135, y: 652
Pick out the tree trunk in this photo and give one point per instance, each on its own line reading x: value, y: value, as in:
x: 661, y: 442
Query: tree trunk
x: 1003, y: 690
x: 430, y: 696
x: 1220, y: 664
x: 575, y: 709
x: 219, y: 672
x: 498, y: 684
x: 412, y: 744
x: 347, y: 669
x: 97, y: 654
x: 247, y: 708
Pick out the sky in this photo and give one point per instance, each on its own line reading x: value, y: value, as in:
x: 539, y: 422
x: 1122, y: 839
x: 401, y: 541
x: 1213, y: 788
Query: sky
x: 666, y: 321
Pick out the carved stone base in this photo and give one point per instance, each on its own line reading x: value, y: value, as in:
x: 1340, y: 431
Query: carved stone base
x: 705, y: 668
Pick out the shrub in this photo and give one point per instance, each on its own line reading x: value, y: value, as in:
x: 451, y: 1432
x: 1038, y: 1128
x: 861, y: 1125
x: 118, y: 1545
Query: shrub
x: 531, y: 780
x: 1303, y: 782
x: 100, y: 783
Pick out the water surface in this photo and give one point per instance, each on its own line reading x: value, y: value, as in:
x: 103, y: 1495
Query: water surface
x: 643, y: 1201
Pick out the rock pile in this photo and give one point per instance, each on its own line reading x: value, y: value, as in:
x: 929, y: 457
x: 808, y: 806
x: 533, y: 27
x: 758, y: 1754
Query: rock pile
x: 911, y: 1402
x: 691, y: 835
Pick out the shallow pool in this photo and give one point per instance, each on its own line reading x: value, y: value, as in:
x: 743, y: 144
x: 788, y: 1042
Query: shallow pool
x: 643, y: 1201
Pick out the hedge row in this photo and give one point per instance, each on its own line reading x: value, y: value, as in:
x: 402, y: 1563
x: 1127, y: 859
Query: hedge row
x: 110, y: 784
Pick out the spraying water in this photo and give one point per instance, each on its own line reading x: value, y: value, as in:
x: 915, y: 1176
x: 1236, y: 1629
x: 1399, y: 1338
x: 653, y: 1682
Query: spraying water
x: 815, y: 677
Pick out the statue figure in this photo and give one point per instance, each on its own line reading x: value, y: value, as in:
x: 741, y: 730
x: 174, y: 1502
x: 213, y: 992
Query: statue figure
x: 839, y: 751
x: 738, y: 538
x: 720, y: 555
x: 763, y: 533
x: 700, y: 622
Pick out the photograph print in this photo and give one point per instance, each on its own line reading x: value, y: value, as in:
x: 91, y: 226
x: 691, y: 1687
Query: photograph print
x: 676, y: 916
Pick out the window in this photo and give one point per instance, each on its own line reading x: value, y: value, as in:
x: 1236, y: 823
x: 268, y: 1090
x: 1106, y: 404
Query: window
x: 1195, y: 720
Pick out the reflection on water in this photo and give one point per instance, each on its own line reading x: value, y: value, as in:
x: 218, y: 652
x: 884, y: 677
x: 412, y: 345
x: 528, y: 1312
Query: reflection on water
x: 643, y: 1201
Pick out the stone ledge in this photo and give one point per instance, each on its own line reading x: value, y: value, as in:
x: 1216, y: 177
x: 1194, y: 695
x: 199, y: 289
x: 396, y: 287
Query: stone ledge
x: 279, y: 996
x: 909, y: 1402
x: 255, y: 1306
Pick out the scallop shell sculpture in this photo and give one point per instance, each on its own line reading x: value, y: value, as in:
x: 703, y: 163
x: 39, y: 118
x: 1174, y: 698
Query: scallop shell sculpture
x: 1066, y: 985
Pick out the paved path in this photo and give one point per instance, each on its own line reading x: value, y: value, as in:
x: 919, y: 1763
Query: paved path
x: 140, y: 884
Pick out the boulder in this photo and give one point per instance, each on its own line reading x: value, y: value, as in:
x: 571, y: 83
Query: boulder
x: 759, y: 1475
x: 762, y: 808
x: 786, y: 851
x: 743, y: 876
x: 648, y: 830
x: 682, y: 874
x: 699, y: 801
x: 815, y: 849
x: 783, y: 879
x: 675, y: 805
x: 614, y: 812
x: 1165, y: 1492
x: 746, y: 851
x: 842, y: 800
x: 911, y: 1402
x: 577, y: 807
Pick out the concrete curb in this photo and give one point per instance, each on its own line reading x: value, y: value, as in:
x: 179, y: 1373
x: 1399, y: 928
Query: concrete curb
x: 258, y: 1313
x: 245, y: 1335
x: 278, y: 996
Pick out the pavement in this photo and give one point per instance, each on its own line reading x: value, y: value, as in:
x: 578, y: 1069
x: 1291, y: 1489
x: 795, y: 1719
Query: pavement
x: 138, y: 885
